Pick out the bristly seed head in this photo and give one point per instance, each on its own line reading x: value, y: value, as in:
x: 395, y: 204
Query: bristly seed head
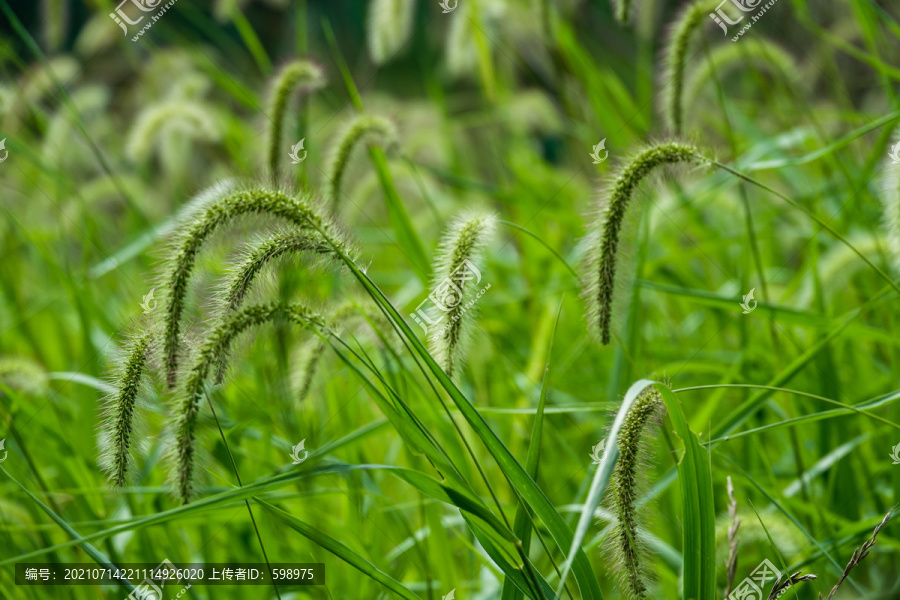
x: 624, y: 544
x: 297, y: 74
x: 296, y: 210
x: 216, y: 345
x: 359, y: 128
x: 603, y: 239
x: 675, y: 56
x: 462, y: 244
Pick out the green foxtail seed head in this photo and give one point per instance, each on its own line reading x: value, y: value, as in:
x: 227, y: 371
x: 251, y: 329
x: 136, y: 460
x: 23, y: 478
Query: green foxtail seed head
x: 358, y: 129
x: 890, y: 199
x: 625, y: 546
x: 301, y: 74
x: 603, y: 239
x: 24, y: 375
x: 158, y: 122
x: 390, y: 26
x: 216, y: 344
x: 753, y: 53
x: 456, y: 278
x: 298, y: 211
x: 256, y: 256
x: 118, y: 421
x: 675, y: 55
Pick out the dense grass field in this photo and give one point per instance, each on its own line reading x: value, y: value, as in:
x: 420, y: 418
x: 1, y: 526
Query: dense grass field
x: 472, y: 299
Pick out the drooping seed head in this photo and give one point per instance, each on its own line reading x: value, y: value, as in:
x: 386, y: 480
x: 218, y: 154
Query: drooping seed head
x: 118, y: 421
x: 296, y: 210
x: 890, y: 199
x: 390, y: 27
x: 158, y: 122
x: 456, y: 277
x: 754, y: 53
x: 361, y: 127
x: 217, y: 344
x: 624, y: 544
x: 602, y: 242
x: 299, y: 74
x: 675, y: 55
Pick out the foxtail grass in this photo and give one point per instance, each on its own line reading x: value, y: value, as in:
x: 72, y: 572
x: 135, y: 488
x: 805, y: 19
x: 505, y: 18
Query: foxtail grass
x: 118, y: 423
x: 890, y: 203
x: 298, y: 211
x: 755, y: 53
x: 158, y: 121
x: 390, y: 27
x: 602, y: 243
x: 299, y: 74
x: 217, y: 344
x: 675, y: 57
x: 454, y: 282
x: 624, y: 546
x: 358, y: 129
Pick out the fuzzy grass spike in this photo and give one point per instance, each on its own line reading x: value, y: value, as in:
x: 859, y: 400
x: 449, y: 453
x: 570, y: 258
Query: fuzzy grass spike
x: 119, y: 424
x: 296, y: 210
x: 357, y: 130
x: 626, y: 548
x: 390, y: 27
x: 675, y: 56
x: 216, y: 345
x: 298, y: 74
x: 603, y: 245
x: 460, y: 248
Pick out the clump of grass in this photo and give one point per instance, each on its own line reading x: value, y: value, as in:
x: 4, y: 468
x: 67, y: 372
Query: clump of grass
x: 390, y: 26
x: 297, y: 210
x: 603, y: 239
x: 859, y: 554
x: 462, y: 244
x: 299, y: 74
x: 217, y: 344
x: 118, y: 422
x: 359, y: 128
x: 675, y: 58
x: 624, y: 545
